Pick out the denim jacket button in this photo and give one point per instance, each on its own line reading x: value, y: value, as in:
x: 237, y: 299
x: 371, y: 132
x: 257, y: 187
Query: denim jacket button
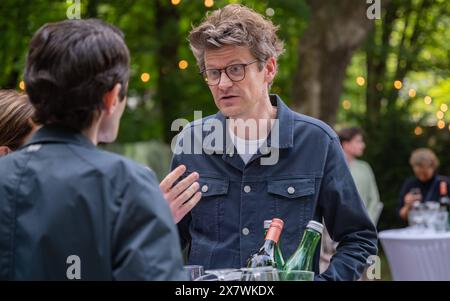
x: 291, y: 190
x: 245, y: 231
x: 247, y: 189
x: 205, y: 188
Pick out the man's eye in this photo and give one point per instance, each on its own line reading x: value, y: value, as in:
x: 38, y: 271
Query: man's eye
x: 213, y: 73
x: 235, y: 69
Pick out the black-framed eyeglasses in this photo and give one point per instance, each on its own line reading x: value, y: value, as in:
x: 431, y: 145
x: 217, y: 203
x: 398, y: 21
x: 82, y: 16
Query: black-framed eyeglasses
x: 235, y: 72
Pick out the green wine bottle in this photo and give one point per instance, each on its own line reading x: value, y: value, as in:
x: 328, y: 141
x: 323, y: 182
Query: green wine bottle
x: 265, y: 255
x: 278, y: 256
x: 303, y: 257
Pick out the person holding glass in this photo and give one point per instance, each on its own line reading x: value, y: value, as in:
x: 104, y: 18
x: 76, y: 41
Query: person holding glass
x: 424, y: 186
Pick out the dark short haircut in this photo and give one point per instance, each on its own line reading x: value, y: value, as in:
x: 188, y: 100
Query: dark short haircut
x: 70, y: 66
x: 347, y: 134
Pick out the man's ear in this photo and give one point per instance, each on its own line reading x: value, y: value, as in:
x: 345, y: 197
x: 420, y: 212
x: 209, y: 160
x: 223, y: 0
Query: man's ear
x: 111, y: 99
x: 270, y: 69
x: 4, y: 150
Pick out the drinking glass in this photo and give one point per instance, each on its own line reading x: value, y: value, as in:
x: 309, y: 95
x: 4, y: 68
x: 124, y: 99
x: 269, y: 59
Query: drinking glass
x: 416, y: 193
x: 221, y: 275
x: 259, y: 274
x: 296, y: 275
x: 194, y: 271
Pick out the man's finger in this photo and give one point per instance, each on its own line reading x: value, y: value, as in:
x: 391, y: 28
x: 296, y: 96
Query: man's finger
x: 168, y: 181
x: 178, y: 189
x: 190, y: 204
x: 186, y: 195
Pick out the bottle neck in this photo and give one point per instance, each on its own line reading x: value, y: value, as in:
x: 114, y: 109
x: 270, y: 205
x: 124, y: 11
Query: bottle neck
x: 273, y: 234
x: 443, y: 188
x: 309, y: 240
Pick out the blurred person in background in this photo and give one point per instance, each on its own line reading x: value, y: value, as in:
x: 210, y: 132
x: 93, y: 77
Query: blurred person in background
x: 424, y: 185
x: 16, y: 120
x: 352, y: 142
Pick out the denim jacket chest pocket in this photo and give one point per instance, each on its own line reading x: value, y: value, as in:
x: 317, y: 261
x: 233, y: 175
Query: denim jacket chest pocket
x: 293, y: 201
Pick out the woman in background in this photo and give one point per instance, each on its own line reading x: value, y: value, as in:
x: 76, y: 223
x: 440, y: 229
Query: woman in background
x: 16, y: 120
x: 425, y: 184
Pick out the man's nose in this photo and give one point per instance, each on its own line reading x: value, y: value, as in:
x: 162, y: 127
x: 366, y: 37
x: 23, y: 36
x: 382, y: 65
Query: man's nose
x: 225, y: 81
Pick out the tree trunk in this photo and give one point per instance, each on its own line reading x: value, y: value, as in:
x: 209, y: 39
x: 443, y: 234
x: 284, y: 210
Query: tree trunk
x: 336, y: 29
x: 168, y: 94
x: 377, y: 55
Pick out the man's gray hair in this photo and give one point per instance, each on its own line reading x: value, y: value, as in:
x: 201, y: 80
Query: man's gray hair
x: 238, y: 25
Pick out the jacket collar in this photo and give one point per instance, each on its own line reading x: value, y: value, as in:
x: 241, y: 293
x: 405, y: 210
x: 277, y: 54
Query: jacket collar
x: 283, y: 129
x: 57, y: 134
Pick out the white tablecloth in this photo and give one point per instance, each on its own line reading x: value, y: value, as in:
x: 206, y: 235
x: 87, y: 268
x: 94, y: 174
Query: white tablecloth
x: 417, y: 255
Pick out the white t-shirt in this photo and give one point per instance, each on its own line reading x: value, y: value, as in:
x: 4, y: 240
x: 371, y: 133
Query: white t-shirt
x: 245, y: 148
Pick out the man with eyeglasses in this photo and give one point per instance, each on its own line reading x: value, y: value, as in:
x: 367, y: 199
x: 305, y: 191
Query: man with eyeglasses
x: 307, y: 178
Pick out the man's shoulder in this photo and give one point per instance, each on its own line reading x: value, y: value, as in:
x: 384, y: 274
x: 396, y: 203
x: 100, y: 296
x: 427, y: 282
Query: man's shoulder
x: 410, y: 181
x: 115, y: 163
x: 303, y: 122
x: 208, y: 120
x: 362, y: 164
x: 76, y: 157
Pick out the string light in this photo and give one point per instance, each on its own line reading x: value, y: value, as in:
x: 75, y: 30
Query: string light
x: 270, y: 12
x: 418, y: 131
x: 412, y: 93
x: 346, y: 104
x: 22, y: 85
x: 440, y: 114
x: 360, y: 81
x: 427, y: 99
x: 398, y: 84
x: 444, y: 107
x: 209, y: 3
x: 145, y: 77
x: 183, y: 64
x: 175, y: 2
x: 441, y: 124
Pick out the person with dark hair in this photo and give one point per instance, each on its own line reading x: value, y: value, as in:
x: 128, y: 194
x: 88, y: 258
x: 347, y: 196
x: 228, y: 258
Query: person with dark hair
x: 67, y: 209
x: 16, y: 120
x: 352, y: 142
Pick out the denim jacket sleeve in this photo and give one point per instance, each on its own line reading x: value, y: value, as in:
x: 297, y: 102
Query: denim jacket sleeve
x: 145, y: 240
x: 345, y: 218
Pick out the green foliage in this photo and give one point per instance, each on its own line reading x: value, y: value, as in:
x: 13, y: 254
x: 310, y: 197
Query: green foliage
x: 415, y: 52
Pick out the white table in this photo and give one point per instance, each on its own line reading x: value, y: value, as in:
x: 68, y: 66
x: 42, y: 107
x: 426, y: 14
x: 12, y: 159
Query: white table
x: 417, y: 255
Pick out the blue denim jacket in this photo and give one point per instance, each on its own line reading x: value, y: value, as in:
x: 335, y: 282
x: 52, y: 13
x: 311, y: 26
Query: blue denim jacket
x: 61, y: 196
x: 311, y: 180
